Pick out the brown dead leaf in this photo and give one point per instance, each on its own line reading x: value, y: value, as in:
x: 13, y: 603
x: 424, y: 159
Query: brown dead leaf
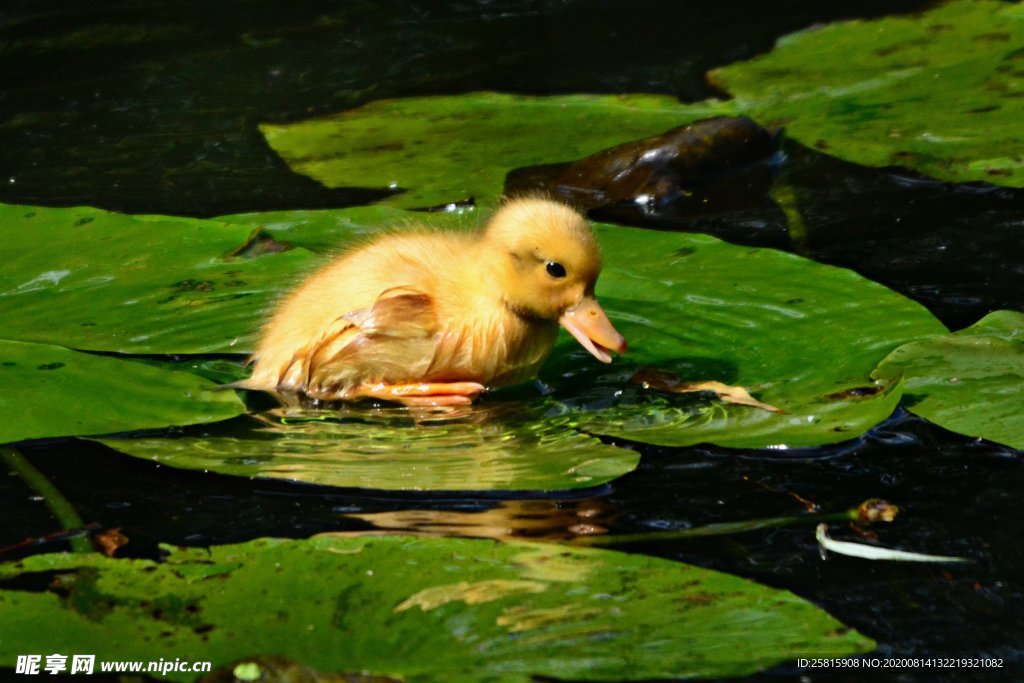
x: 659, y: 380
x: 110, y: 540
x: 877, y: 510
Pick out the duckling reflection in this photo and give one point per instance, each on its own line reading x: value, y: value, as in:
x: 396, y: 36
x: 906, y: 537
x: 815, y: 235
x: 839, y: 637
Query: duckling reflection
x: 547, y: 520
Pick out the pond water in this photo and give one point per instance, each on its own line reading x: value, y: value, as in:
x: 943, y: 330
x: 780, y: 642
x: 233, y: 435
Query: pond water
x: 153, y: 108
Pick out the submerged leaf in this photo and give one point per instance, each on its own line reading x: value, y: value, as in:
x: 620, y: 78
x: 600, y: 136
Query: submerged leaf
x: 501, y: 446
x: 939, y: 92
x: 696, y: 168
x: 458, y: 609
x: 971, y: 382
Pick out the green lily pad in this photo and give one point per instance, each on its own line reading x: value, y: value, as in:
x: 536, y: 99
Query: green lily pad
x: 493, y: 446
x: 51, y: 391
x: 941, y: 92
x: 102, y: 281
x: 1008, y: 325
x: 971, y: 382
x: 801, y: 336
x: 449, y: 148
x: 450, y: 609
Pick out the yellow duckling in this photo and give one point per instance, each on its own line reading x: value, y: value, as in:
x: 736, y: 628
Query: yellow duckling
x: 424, y: 317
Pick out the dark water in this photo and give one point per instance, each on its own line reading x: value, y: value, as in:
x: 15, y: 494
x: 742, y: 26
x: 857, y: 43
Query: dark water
x: 153, y: 106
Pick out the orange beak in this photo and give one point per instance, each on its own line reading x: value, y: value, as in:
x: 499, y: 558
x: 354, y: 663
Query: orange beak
x: 588, y: 323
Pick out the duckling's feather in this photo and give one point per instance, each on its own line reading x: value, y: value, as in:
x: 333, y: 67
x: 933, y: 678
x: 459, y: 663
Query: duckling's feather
x: 386, y: 343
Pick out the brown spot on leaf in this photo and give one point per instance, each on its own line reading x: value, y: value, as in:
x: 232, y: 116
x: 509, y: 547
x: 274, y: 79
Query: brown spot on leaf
x: 886, y: 51
x: 193, y: 286
x: 258, y: 244
x: 699, y: 598
x: 855, y: 392
x: 385, y: 147
x: 994, y: 37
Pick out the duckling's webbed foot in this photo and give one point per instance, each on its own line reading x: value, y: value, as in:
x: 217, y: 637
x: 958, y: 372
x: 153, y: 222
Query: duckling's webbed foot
x: 422, y: 393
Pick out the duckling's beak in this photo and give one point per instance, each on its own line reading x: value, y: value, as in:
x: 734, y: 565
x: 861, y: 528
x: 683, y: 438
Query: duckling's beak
x: 588, y: 323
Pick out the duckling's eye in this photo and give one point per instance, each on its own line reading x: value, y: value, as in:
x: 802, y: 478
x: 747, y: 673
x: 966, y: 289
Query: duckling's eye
x: 556, y: 269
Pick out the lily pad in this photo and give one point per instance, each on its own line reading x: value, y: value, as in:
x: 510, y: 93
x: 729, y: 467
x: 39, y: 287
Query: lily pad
x: 798, y: 335
x: 802, y: 336
x: 450, y: 148
x: 451, y: 609
x: 971, y: 382
x: 51, y: 391
x: 102, y: 281
x: 497, y: 446
x: 941, y: 92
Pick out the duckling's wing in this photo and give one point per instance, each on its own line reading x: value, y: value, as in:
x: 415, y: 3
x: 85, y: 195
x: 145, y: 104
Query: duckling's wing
x: 394, y: 340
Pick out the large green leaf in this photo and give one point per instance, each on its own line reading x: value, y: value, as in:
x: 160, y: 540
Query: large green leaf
x: 51, y: 391
x: 448, y: 148
x: 941, y: 92
x: 803, y: 336
x: 971, y: 382
x: 800, y: 335
x: 97, y: 280
x: 447, y: 610
x: 507, y: 445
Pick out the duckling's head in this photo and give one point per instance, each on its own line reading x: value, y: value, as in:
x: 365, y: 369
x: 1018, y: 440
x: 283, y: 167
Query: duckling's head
x: 547, y: 262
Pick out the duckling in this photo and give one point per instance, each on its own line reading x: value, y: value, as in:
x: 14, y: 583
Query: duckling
x: 426, y: 317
